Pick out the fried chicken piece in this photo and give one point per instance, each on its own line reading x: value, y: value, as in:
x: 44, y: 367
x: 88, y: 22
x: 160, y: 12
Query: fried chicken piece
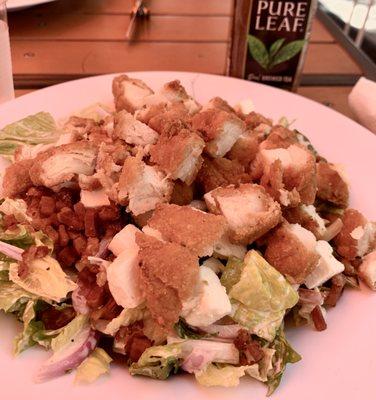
x: 129, y: 94
x: 219, y: 129
x: 142, y: 186
x: 286, y: 173
x: 132, y: 131
x: 217, y: 103
x: 245, y: 149
x: 307, y: 217
x: 175, y: 93
x: 189, y: 227
x: 331, y: 186
x: 367, y: 270
x: 291, y: 250
x: 147, y: 112
x: 168, y: 276
x: 279, y: 138
x: 254, y: 119
x: 248, y: 209
x: 179, y: 156
x: 182, y: 194
x: 16, y: 178
x: 62, y: 164
x: 357, y: 236
x: 220, y: 172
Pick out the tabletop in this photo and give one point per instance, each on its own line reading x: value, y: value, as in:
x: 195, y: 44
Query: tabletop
x: 70, y: 39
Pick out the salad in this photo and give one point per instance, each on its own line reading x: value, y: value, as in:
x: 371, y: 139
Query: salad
x: 174, y: 236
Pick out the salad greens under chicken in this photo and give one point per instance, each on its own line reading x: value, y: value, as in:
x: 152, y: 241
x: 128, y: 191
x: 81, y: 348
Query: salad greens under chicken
x: 176, y: 236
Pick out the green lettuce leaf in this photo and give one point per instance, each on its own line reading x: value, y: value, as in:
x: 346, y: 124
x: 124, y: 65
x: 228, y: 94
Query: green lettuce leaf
x: 4, y: 271
x: 184, y: 331
x: 96, y: 111
x: 19, y: 237
x: 32, y: 130
x: 217, y: 375
x: 12, y: 297
x: 283, y: 355
x: 16, y: 207
x: 97, y: 364
x: 158, y: 362
x: 259, y: 294
x: 45, y: 279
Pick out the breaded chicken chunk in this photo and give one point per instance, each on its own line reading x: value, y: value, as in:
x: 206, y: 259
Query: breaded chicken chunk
x: 179, y: 156
x: 217, y: 103
x: 168, y: 276
x: 132, y: 131
x: 279, y: 137
x: 217, y: 172
x: 254, y: 119
x: 62, y: 164
x: 219, y: 129
x: 307, y: 217
x: 357, y: 236
x: 16, y: 178
x: 331, y: 186
x: 129, y: 94
x: 174, y: 92
x: 245, y: 149
x: 142, y: 186
x: 286, y: 173
x: 197, y: 230
x: 291, y: 250
x: 249, y: 211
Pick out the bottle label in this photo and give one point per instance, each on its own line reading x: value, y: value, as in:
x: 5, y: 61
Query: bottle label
x: 276, y: 41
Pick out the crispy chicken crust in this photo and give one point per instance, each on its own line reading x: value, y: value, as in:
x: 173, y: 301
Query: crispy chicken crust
x: 248, y: 209
x: 16, y: 178
x: 169, y: 274
x: 191, y: 228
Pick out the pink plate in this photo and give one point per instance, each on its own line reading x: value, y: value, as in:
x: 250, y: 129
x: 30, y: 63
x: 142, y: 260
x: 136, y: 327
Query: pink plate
x: 339, y: 363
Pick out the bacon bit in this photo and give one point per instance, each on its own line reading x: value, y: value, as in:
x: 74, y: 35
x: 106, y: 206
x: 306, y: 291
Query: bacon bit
x: 318, y: 319
x: 56, y: 319
x: 63, y: 236
x: 79, y: 209
x: 67, y: 256
x: 336, y: 290
x: 46, y: 206
x: 69, y: 218
x: 108, y: 312
x: 131, y: 341
x: 87, y: 282
x: 29, y: 255
x: 109, y: 213
x: 90, y: 225
x: 92, y: 246
x: 112, y: 229
x: 356, y: 262
x: 309, y: 296
x: 52, y: 233
x: 79, y: 244
x: 250, y: 351
x: 9, y: 222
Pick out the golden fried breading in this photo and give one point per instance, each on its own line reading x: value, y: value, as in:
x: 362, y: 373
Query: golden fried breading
x: 64, y: 163
x: 16, y: 178
x: 219, y: 129
x: 248, y: 209
x: 219, y: 104
x: 220, y: 172
x: 129, y: 94
x: 189, y: 227
x: 331, y: 186
x: 182, y: 194
x: 291, y: 250
x: 279, y: 137
x: 179, y: 156
x: 147, y: 112
x: 245, y: 149
x: 175, y: 93
x: 357, y: 236
x: 142, y: 186
x: 171, y: 121
x: 142, y: 219
x: 254, y: 119
x: 169, y: 274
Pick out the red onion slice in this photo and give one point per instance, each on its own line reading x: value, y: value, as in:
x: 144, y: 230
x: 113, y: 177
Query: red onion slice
x: 11, y: 251
x: 332, y: 230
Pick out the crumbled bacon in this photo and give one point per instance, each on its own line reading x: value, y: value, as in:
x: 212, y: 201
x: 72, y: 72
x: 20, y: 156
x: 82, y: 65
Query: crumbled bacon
x: 108, y: 213
x: 131, y: 341
x: 9, y: 222
x: 79, y: 244
x: 90, y: 223
x: 29, y: 255
x: 63, y: 236
x: 53, y: 318
x: 250, y: 351
x: 95, y: 295
x: 69, y: 218
x: 338, y: 283
x: 108, y: 311
x: 67, y: 256
x: 318, y: 319
x: 46, y: 206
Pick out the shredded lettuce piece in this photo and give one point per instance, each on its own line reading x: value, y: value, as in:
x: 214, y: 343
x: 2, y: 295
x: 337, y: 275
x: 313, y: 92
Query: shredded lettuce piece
x: 97, y: 364
x: 12, y: 297
x: 158, y: 362
x: 45, y: 279
x: 19, y: 237
x: 96, y: 111
x: 184, y: 331
x: 16, y: 207
x: 219, y: 375
x: 31, y: 130
x: 259, y: 294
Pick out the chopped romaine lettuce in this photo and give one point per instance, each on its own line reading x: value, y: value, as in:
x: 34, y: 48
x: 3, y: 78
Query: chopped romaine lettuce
x: 259, y: 294
x: 45, y: 279
x: 97, y: 364
x: 184, y: 331
x: 220, y: 375
x: 19, y: 237
x: 96, y: 111
x: 158, y: 362
x: 12, y: 297
x: 15, y: 207
x: 32, y: 130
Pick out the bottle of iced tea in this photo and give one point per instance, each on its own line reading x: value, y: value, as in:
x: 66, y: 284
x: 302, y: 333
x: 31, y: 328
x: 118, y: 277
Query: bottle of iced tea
x: 270, y: 38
